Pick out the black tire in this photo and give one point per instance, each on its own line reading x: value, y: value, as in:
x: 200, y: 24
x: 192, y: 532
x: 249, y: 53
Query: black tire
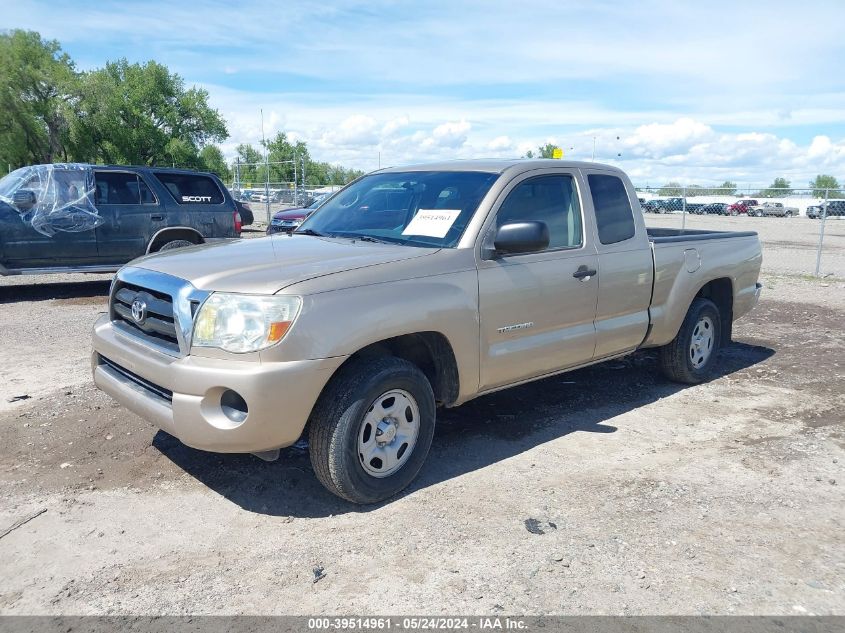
x: 338, y: 417
x: 675, y: 361
x: 169, y: 246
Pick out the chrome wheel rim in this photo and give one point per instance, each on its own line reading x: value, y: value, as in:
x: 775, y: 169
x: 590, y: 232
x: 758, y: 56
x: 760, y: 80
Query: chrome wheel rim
x: 701, y: 345
x: 388, y: 433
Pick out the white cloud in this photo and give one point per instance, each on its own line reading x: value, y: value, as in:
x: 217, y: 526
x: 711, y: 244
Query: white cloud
x: 451, y: 134
x: 658, y: 140
x: 501, y: 144
x: 358, y: 130
x: 394, y: 125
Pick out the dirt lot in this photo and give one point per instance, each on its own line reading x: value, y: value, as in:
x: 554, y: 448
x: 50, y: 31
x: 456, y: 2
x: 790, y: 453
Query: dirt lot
x: 607, y: 490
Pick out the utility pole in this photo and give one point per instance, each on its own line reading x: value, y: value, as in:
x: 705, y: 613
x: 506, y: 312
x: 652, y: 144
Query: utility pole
x: 821, y: 233
x: 266, y: 170
x: 594, y: 149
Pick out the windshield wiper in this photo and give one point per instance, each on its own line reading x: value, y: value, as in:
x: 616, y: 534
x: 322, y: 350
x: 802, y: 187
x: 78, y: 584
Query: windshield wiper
x: 310, y: 232
x: 369, y: 238
x: 366, y: 238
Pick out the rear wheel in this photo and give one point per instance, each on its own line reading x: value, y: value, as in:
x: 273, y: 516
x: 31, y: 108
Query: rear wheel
x: 691, y: 357
x: 169, y: 246
x: 372, y: 428
x: 788, y: 214
x: 759, y: 214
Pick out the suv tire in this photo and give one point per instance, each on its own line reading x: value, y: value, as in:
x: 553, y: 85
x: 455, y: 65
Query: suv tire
x: 169, y: 246
x: 369, y: 398
x: 691, y: 357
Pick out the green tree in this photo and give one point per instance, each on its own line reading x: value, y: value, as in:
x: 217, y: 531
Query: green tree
x: 281, y: 150
x: 672, y: 189
x: 781, y: 187
x: 823, y: 183
x: 544, y: 151
x: 143, y: 114
x: 39, y: 87
x: 245, y: 161
x: 211, y: 159
x: 727, y: 188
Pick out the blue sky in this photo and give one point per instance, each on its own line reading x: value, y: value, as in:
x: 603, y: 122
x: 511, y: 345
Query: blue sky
x: 693, y: 91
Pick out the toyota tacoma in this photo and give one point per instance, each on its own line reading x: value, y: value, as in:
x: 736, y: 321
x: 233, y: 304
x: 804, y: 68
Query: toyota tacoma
x: 410, y: 289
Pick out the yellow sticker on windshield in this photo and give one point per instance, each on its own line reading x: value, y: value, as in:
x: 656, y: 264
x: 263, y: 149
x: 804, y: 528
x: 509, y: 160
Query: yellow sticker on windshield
x: 432, y: 222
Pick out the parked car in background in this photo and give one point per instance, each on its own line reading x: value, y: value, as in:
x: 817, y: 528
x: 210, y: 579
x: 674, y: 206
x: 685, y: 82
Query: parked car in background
x: 671, y: 205
x: 259, y: 197
x: 835, y: 208
x: 714, y: 208
x: 289, y: 219
x: 777, y: 209
x: 95, y: 218
x: 415, y: 288
x: 245, y: 210
x: 740, y: 207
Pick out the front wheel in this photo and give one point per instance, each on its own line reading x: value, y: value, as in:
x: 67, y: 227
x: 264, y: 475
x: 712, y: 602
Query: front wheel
x: 691, y: 357
x: 371, y: 429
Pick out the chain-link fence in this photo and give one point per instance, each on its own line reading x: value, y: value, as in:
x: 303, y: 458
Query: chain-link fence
x: 258, y: 184
x: 802, y: 230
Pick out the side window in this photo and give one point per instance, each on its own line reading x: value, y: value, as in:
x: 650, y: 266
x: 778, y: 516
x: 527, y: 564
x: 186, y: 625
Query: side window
x: 147, y: 196
x: 191, y: 188
x: 116, y: 188
x: 549, y: 199
x: 614, y: 217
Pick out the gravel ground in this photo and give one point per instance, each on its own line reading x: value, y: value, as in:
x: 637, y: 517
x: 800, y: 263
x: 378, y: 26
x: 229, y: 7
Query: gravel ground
x: 608, y: 490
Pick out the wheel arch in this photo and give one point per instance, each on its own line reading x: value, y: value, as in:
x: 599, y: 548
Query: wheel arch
x: 721, y: 292
x: 170, y: 233
x: 430, y: 351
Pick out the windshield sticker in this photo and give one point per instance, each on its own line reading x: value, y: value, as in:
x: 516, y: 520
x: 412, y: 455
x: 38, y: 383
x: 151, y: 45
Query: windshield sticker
x: 432, y: 222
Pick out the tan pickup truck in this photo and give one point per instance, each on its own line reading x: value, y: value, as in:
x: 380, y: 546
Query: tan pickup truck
x: 410, y: 289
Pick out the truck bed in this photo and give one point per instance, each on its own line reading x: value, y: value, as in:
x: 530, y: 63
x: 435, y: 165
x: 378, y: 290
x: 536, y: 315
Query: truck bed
x: 663, y: 236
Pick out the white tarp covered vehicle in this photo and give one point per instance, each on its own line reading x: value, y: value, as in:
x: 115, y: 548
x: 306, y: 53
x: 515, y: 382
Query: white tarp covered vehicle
x: 53, y: 198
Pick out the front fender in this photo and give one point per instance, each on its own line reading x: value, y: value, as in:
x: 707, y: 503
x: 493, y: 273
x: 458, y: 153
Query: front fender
x: 343, y: 321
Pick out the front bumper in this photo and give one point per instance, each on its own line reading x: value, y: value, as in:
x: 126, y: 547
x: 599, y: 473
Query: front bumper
x: 183, y: 395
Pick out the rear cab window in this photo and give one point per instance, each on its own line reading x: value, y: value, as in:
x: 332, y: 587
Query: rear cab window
x: 190, y: 189
x: 614, y: 216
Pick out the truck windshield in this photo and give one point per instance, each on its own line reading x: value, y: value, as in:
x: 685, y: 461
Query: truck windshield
x: 418, y: 208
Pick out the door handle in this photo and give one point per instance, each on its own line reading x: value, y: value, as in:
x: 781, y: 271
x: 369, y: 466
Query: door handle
x: 584, y: 273
x: 157, y: 216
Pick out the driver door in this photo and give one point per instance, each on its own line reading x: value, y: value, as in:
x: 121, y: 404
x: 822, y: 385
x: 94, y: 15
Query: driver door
x: 536, y: 317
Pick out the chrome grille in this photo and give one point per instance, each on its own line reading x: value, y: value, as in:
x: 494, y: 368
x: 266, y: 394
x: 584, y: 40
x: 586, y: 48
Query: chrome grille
x: 158, y: 323
x: 166, y: 318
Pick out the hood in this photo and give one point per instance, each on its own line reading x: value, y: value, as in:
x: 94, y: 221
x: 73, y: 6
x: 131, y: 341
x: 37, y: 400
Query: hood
x: 290, y: 214
x: 266, y: 265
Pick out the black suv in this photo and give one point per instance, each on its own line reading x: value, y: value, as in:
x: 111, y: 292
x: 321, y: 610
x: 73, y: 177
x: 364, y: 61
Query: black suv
x: 94, y: 218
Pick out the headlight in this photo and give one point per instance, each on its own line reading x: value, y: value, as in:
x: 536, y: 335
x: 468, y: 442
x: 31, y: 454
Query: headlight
x: 244, y: 323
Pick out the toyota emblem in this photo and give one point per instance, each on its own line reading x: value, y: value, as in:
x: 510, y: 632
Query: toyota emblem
x: 139, y: 311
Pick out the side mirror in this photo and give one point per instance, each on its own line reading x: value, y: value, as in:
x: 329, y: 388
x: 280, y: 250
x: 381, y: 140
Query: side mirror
x: 24, y: 199
x: 521, y: 237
